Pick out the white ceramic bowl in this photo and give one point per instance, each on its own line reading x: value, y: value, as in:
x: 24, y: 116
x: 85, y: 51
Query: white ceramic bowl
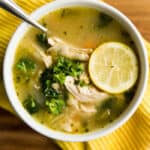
x: 9, y: 59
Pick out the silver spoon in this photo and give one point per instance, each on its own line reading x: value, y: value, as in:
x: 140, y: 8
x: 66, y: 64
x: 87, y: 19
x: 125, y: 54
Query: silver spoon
x: 10, y: 6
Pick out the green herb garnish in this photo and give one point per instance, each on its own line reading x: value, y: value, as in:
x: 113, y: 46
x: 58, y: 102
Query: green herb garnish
x: 55, y: 100
x: 129, y: 95
x: 59, y: 77
x: 109, y: 103
x: 65, y: 33
x: 66, y: 67
x: 125, y: 34
x: 104, y: 20
x: 57, y: 74
x: 31, y: 105
x: 26, y: 68
x: 43, y: 40
x: 67, y: 12
x: 81, y: 83
x: 25, y: 65
x: 46, y: 81
x: 55, y: 106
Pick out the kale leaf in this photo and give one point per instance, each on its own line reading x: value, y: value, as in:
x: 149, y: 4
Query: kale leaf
x: 129, y: 95
x: 43, y: 40
x: 109, y: 103
x: 31, y: 105
x: 46, y: 81
x: 103, y: 20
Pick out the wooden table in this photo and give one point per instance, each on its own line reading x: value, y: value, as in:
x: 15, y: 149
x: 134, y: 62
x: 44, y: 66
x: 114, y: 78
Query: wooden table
x: 15, y: 135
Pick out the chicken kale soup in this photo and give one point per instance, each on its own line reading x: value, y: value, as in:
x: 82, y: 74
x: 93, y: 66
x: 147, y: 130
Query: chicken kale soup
x: 81, y: 76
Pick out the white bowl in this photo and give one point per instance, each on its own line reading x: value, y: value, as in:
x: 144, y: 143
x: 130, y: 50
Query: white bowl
x: 9, y: 59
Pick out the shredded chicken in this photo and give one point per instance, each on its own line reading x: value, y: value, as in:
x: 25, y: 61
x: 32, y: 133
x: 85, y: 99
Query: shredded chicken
x: 81, y: 107
x: 73, y: 102
x: 86, y: 94
x: 47, y: 59
x: 88, y: 108
x: 62, y: 48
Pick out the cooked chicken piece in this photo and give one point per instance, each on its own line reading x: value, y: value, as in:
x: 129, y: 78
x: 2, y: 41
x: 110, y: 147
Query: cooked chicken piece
x: 86, y: 94
x: 81, y: 107
x: 55, y: 40
x: 62, y: 48
x: 73, y: 102
x: 47, y: 59
x: 88, y: 108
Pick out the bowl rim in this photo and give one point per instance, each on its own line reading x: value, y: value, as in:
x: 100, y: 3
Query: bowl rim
x: 8, y: 78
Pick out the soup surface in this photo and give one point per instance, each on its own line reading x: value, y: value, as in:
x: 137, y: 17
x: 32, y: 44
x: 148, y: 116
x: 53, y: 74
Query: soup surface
x: 51, y: 73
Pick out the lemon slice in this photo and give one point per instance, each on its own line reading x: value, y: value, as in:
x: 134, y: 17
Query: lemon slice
x: 113, y: 67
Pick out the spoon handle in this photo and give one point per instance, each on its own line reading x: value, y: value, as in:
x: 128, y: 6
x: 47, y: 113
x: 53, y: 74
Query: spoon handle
x: 10, y: 6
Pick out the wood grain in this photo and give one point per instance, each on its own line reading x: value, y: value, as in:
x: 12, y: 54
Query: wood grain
x: 138, y: 11
x: 15, y: 135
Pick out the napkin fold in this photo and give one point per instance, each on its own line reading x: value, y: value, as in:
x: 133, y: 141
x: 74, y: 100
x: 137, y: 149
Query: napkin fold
x: 133, y: 135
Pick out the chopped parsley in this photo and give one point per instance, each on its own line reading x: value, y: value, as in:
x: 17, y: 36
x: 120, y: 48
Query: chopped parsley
x: 25, y: 65
x: 55, y: 106
x: 26, y: 68
x: 66, y: 67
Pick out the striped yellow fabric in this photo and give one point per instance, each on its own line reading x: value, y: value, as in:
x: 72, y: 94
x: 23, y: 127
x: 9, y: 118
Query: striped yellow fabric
x: 134, y: 135
x: 71, y: 145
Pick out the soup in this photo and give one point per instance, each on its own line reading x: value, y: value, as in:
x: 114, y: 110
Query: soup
x: 51, y: 74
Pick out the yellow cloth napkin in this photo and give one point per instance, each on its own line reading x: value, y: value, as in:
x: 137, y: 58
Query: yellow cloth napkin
x: 133, y: 135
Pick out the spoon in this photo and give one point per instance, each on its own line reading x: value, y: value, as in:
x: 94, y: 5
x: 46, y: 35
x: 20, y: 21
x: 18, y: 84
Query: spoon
x: 13, y: 8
